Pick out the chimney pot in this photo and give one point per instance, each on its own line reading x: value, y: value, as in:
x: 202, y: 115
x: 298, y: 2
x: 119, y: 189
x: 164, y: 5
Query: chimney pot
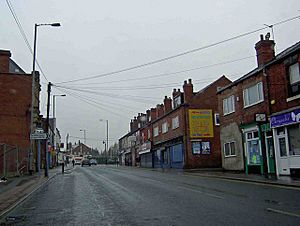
x: 261, y: 37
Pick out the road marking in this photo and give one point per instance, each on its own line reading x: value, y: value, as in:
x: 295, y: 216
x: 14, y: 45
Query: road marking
x: 201, y: 192
x: 283, y: 212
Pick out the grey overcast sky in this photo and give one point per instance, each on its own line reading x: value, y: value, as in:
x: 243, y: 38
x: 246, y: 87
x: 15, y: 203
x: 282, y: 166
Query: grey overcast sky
x: 98, y: 37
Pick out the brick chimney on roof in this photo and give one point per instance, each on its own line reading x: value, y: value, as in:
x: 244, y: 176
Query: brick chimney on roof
x: 148, y: 115
x: 264, y: 50
x: 188, y: 90
x: 159, y: 110
x: 167, y: 104
x: 4, y: 61
x: 153, y: 113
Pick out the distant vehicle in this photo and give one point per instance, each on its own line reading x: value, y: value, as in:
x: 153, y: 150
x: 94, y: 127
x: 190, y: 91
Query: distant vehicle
x: 78, y: 160
x: 85, y: 162
x: 93, y: 162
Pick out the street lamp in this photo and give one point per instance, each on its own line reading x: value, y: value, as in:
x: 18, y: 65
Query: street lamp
x: 101, y: 120
x: 33, y: 96
x: 53, y: 108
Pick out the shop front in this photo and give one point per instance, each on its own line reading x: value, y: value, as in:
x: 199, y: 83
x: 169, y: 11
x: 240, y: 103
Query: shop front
x: 146, y: 159
x: 253, y: 149
x: 286, y: 131
x: 169, y: 156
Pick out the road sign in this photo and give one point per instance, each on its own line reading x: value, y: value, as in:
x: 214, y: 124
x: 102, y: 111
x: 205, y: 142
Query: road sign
x: 38, y: 136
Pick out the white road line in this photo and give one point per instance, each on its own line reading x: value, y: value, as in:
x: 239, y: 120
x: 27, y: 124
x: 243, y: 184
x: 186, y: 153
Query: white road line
x: 283, y: 212
x: 201, y: 192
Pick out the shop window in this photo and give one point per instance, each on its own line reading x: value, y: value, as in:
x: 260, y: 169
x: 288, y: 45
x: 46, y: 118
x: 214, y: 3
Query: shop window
x: 229, y: 149
x: 294, y: 78
x: 253, y: 95
x: 253, y: 148
x: 294, y: 139
x: 228, y: 105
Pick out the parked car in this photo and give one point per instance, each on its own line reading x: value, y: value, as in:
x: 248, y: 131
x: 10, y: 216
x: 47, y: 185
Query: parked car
x: 85, y: 162
x: 78, y: 160
x: 93, y: 162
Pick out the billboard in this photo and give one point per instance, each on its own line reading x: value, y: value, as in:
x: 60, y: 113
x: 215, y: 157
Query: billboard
x: 201, y: 123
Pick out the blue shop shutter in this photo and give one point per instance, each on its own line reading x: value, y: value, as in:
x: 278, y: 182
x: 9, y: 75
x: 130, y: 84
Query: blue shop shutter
x: 177, y: 153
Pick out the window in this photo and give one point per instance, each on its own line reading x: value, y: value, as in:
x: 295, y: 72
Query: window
x: 164, y: 127
x: 175, y: 122
x: 294, y: 139
x: 229, y: 149
x: 217, y: 119
x: 253, y: 147
x: 155, y: 131
x: 294, y: 77
x: 228, y: 105
x: 253, y: 95
x: 149, y: 134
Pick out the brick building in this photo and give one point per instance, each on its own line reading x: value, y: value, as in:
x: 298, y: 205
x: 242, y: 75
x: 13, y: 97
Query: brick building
x: 246, y: 105
x: 15, y: 105
x: 185, y: 135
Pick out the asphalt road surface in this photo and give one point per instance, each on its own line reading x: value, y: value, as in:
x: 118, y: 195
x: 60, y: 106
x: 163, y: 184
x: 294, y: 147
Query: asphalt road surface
x: 110, y: 195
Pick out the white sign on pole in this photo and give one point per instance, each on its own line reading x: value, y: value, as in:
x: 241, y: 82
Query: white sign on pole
x: 38, y: 136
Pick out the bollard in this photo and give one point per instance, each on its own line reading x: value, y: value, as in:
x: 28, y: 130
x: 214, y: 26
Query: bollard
x: 63, y: 167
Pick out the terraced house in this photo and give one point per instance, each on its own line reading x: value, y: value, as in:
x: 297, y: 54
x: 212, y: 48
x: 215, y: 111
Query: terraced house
x: 268, y: 93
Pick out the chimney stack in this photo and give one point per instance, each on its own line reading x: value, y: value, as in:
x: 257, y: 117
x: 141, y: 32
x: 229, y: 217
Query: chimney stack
x: 153, y: 114
x: 264, y: 50
x: 188, y: 90
x: 159, y: 110
x: 4, y: 61
x: 167, y: 104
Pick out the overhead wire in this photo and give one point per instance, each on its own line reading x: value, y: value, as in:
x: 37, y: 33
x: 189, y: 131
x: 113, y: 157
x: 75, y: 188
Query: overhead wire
x: 109, y: 105
x: 23, y: 34
x: 169, y: 73
x: 90, y: 102
x: 177, y: 55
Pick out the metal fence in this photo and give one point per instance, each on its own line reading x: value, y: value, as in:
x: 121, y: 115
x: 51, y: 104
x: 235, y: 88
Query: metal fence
x: 13, y: 160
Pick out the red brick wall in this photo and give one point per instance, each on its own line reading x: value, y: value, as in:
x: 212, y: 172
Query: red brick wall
x: 243, y: 115
x: 172, y: 133
x: 15, y: 102
x: 206, y: 100
x: 278, y: 78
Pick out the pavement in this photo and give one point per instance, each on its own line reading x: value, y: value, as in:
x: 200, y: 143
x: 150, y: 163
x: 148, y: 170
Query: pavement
x: 16, y: 189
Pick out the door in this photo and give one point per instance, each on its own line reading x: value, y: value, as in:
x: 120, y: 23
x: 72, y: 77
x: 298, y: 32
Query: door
x: 270, y: 152
x: 282, y: 151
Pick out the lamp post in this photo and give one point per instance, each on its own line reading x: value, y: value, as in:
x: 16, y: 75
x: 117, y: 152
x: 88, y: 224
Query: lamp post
x: 105, y: 152
x: 101, y: 120
x: 33, y: 96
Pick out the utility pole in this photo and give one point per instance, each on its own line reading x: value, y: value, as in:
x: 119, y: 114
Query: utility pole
x: 47, y: 130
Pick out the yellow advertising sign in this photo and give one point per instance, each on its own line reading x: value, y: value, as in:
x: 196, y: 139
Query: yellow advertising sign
x: 201, y: 123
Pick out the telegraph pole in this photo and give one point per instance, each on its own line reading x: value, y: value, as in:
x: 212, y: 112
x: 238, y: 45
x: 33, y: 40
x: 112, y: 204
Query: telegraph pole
x: 47, y: 130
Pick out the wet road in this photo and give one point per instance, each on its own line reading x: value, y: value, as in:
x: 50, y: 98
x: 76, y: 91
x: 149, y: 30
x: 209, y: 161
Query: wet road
x: 108, y: 195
